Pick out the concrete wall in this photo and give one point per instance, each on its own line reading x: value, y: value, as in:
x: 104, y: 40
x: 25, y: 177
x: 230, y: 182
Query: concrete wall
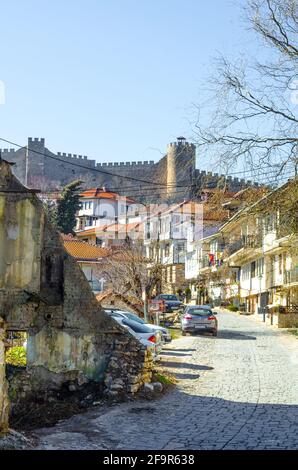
x: 20, y: 238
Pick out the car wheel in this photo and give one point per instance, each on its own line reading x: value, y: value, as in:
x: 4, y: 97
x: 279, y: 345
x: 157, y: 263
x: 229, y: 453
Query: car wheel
x: 183, y: 333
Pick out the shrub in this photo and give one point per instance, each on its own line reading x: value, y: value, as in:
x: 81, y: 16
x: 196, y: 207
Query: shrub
x: 16, y: 356
x: 232, y: 308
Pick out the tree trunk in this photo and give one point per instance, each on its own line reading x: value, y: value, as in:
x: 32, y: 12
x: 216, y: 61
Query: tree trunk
x: 145, y: 300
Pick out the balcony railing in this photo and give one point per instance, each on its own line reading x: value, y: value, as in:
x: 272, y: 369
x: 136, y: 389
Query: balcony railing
x: 246, y: 241
x: 206, y: 262
x: 291, y: 276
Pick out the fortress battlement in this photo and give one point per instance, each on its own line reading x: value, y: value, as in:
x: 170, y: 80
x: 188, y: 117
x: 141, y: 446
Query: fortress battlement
x: 126, y: 164
x: 36, y: 140
x: 182, y: 144
x: 69, y: 157
x: 230, y: 179
x: 7, y: 151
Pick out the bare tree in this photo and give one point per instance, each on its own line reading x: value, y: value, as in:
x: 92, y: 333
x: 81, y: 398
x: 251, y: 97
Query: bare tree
x: 129, y: 273
x: 254, y: 117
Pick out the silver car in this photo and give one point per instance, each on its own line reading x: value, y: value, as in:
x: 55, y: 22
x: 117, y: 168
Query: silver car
x: 198, y: 318
x: 151, y: 339
x: 132, y: 316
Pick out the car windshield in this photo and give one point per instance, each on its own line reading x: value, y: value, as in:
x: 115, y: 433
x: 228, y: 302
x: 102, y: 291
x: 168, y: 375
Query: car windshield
x: 137, y: 327
x: 168, y: 297
x: 199, y: 311
x: 132, y: 316
x: 115, y: 314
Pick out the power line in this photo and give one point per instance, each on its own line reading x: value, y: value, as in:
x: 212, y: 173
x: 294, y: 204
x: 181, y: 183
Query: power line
x: 88, y: 168
x: 265, y: 179
x: 156, y: 185
x: 109, y: 173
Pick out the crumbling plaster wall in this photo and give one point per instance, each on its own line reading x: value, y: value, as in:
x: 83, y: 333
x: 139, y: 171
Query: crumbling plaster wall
x: 43, y: 291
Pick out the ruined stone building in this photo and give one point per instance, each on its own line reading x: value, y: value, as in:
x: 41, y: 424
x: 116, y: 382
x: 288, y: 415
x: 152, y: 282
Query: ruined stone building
x: 44, y: 292
x: 174, y: 177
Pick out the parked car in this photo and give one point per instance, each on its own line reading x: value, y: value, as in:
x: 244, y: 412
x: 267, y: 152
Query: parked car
x: 150, y: 339
x: 209, y: 305
x: 132, y: 316
x: 171, y: 301
x: 199, y: 318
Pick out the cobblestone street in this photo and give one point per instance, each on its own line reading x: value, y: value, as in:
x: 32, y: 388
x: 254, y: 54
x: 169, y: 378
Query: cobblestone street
x: 236, y: 391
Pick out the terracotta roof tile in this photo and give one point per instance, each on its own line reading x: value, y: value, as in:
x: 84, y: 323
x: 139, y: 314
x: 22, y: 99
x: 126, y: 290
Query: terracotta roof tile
x: 84, y: 251
x: 102, y: 193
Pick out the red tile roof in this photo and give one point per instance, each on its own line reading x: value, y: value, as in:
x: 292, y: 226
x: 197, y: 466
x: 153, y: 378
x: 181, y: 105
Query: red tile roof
x: 100, y: 193
x: 82, y: 250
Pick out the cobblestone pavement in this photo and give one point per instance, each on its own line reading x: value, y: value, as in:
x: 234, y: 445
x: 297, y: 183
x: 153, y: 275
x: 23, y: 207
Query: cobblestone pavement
x: 236, y: 391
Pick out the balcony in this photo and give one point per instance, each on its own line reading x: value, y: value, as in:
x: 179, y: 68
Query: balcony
x: 205, y: 262
x: 246, y: 241
x: 291, y: 277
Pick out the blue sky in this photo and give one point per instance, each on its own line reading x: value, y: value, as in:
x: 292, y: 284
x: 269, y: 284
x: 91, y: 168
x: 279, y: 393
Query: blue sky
x: 111, y: 79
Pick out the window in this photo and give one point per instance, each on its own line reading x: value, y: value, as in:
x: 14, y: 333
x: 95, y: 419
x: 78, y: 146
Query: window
x: 269, y: 223
x: 199, y: 311
x: 167, y: 250
x: 137, y: 327
x: 245, y: 272
x: 253, y: 269
x: 280, y: 263
x: 260, y: 267
x: 167, y: 297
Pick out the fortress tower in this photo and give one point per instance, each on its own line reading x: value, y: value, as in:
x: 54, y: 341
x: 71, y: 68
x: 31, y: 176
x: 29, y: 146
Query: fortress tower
x: 181, y: 162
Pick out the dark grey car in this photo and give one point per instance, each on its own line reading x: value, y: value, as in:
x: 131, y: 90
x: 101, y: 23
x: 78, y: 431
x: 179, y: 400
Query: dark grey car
x: 171, y: 301
x: 198, y: 318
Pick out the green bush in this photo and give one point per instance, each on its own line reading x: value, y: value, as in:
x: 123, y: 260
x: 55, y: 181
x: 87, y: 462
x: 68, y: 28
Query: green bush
x: 16, y: 356
x: 232, y: 308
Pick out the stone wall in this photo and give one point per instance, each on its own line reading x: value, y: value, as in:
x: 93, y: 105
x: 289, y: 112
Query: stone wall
x: 4, y: 405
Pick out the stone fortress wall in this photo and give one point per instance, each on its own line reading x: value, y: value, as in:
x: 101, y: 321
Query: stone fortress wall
x: 37, y: 167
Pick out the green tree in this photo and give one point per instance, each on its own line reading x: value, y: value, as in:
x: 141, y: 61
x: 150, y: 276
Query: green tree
x: 50, y: 209
x: 68, y: 206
